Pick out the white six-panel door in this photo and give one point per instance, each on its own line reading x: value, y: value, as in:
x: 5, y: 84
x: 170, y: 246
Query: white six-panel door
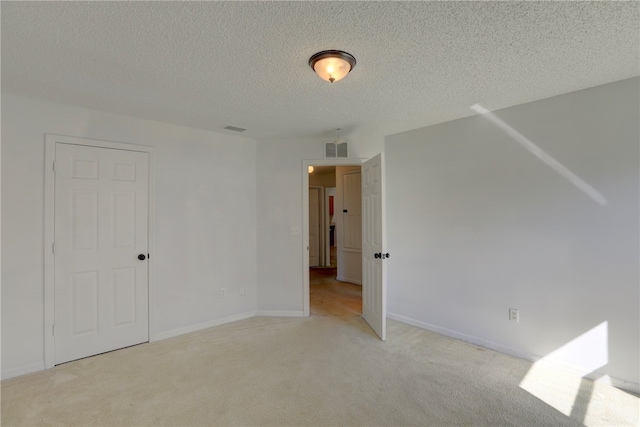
x: 352, y: 212
x: 374, y: 288
x: 101, y: 228
x: 314, y: 226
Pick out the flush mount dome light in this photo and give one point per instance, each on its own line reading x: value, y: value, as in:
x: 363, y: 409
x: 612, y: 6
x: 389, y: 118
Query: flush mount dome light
x: 332, y: 65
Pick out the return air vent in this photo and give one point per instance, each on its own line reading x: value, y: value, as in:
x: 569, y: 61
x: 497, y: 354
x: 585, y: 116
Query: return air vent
x: 234, y: 128
x: 335, y: 149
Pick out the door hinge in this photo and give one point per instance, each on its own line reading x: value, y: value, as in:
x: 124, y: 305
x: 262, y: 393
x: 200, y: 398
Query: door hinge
x: 54, y: 166
x: 53, y: 248
x: 53, y: 330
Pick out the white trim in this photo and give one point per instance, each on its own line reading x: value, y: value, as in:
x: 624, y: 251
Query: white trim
x: 52, y: 138
x: 348, y: 280
x: 23, y: 370
x: 152, y: 244
x: 616, y: 382
x: 355, y: 251
x: 305, y: 217
x: 49, y: 208
x: 280, y: 313
x: 203, y: 325
x: 619, y: 383
x: 459, y: 336
x: 49, y: 260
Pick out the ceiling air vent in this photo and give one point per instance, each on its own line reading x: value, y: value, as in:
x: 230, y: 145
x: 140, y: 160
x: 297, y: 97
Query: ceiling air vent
x: 335, y: 149
x: 234, y: 128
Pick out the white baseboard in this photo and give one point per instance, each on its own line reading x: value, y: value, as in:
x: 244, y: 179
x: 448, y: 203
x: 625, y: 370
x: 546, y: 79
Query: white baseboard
x: 23, y: 370
x: 203, y: 325
x: 616, y: 382
x: 462, y: 337
x: 348, y: 280
x: 622, y: 384
x: 276, y: 313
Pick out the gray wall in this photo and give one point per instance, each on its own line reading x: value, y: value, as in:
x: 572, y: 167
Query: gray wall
x: 477, y: 224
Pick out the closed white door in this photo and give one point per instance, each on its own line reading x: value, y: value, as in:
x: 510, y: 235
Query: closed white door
x: 101, y: 237
x: 314, y: 227
x: 374, y: 287
x: 352, y: 212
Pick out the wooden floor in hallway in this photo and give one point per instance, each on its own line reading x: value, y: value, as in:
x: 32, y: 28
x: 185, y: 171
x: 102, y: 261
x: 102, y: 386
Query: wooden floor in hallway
x: 330, y: 297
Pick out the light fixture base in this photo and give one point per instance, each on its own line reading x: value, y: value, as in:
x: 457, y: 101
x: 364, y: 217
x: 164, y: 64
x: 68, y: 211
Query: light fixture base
x: 332, y: 65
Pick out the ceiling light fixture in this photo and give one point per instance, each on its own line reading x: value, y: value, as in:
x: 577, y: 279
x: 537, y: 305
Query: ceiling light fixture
x: 332, y: 65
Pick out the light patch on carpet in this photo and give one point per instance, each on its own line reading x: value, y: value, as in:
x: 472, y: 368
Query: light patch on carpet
x: 558, y: 380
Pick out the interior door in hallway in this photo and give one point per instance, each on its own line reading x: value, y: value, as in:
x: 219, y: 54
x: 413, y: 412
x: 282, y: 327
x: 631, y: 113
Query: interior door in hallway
x: 314, y: 226
x: 374, y: 287
x: 101, y: 243
x: 349, y: 223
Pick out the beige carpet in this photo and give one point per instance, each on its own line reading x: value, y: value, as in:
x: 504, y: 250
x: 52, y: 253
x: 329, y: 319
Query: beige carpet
x: 321, y: 370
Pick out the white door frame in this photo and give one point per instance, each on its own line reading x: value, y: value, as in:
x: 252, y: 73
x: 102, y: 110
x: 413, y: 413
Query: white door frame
x: 305, y: 218
x: 49, y: 210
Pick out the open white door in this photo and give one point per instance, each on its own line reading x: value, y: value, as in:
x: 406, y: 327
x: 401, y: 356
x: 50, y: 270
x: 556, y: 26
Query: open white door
x: 374, y: 287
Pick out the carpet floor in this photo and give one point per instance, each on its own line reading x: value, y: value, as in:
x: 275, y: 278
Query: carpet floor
x: 327, y: 369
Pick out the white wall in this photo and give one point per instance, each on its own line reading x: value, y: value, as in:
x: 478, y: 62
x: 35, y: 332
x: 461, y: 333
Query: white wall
x: 279, y: 206
x: 323, y: 179
x: 205, y: 221
x: 477, y: 224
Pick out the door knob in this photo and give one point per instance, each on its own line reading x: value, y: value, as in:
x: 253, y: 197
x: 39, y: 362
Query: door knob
x: 141, y: 257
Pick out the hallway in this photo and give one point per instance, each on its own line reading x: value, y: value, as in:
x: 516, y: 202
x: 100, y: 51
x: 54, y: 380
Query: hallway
x: 329, y: 297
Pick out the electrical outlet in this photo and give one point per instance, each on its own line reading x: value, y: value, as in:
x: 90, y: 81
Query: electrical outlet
x: 242, y: 292
x: 514, y: 314
x: 223, y: 292
x: 295, y: 231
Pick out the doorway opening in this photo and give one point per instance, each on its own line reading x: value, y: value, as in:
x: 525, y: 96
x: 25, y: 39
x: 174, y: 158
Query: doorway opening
x: 372, y: 237
x: 342, y: 267
x: 335, y: 241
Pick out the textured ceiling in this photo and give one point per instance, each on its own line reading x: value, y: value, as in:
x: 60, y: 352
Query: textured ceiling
x: 212, y: 64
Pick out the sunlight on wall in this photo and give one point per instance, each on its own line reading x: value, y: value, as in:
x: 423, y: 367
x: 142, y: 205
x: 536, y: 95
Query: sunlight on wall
x: 539, y: 153
x: 584, y: 354
x: 556, y: 378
